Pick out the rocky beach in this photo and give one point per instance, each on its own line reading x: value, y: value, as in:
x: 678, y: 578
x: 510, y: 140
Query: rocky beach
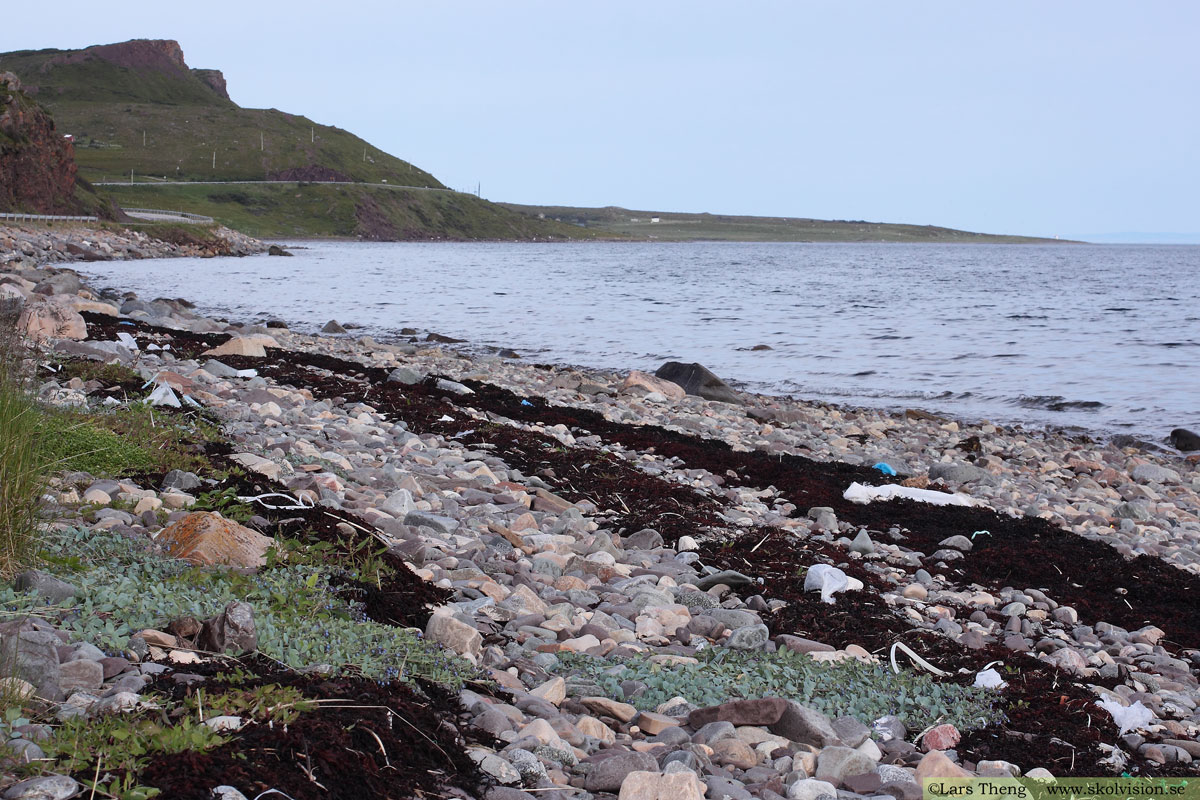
x: 611, y: 584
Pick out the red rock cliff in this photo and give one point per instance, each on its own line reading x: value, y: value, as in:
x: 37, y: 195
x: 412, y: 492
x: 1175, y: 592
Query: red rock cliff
x: 37, y: 164
x: 162, y: 55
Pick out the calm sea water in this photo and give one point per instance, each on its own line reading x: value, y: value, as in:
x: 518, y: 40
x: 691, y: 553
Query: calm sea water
x: 1103, y: 337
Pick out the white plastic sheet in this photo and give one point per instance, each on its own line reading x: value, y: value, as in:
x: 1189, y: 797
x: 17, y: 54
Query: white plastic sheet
x: 1128, y: 718
x: 858, y: 493
x: 828, y: 580
x: 163, y: 395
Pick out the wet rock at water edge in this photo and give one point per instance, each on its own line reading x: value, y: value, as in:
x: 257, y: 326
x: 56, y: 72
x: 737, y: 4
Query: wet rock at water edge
x: 1185, y: 440
x: 698, y: 380
x: 333, y: 327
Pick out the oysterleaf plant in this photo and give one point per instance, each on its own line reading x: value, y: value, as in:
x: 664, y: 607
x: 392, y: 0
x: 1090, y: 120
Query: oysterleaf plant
x: 852, y: 688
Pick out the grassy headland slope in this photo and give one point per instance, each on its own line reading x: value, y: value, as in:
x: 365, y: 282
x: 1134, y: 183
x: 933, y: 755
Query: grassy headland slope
x: 682, y: 227
x: 138, y: 106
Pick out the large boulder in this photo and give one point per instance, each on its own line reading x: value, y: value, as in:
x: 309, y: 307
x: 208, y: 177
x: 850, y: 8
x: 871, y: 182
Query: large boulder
x: 61, y: 282
x: 239, y: 346
x: 54, y: 317
x: 1153, y: 473
x: 961, y: 473
x: 205, y: 537
x: 696, y: 379
x: 650, y: 383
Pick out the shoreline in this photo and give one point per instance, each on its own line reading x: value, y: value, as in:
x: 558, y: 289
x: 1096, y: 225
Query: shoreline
x: 487, y: 468
x: 1024, y: 391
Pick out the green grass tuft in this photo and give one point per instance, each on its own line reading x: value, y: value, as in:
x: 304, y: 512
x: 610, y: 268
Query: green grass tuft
x: 126, y: 440
x: 23, y: 459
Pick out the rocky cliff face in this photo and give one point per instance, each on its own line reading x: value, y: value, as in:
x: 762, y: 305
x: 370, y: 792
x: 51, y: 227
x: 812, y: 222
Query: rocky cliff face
x: 214, y: 79
x: 161, y: 55
x: 37, y: 164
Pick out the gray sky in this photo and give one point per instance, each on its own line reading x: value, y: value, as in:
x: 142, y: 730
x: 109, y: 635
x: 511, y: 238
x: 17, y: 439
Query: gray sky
x: 1017, y: 117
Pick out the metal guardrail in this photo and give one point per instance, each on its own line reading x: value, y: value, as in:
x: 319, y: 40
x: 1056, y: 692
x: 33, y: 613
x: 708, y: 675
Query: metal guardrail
x: 160, y: 213
x: 39, y: 217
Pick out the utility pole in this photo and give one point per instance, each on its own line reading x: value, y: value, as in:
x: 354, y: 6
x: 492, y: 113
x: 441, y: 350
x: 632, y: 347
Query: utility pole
x: 312, y: 135
x: 143, y: 138
x: 214, y: 159
x: 131, y: 175
x: 364, y: 155
x: 262, y: 142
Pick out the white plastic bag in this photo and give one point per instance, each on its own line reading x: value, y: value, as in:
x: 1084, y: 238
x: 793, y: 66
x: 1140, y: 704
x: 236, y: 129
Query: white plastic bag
x: 828, y: 580
x: 989, y: 679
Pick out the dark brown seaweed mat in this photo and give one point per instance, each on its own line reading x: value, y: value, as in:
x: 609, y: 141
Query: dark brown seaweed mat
x: 364, y: 740
x: 400, y: 598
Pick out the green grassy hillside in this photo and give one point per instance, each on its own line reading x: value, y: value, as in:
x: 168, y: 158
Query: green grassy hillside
x: 148, y: 75
x: 679, y: 227
x: 282, y: 210
x: 137, y: 107
x: 249, y: 144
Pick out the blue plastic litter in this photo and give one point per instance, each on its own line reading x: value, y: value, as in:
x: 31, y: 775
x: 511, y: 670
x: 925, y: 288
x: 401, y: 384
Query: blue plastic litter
x: 526, y: 403
x: 886, y: 469
x: 977, y: 533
